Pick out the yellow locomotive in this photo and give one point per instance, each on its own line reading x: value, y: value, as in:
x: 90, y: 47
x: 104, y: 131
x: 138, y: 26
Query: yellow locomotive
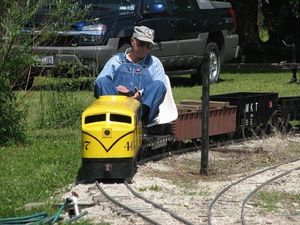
x: 112, y: 137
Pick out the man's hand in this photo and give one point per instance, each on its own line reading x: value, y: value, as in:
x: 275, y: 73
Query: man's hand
x: 124, y: 91
x: 136, y: 95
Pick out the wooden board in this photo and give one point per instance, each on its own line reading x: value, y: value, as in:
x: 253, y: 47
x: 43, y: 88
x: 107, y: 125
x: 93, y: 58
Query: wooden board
x: 197, y: 105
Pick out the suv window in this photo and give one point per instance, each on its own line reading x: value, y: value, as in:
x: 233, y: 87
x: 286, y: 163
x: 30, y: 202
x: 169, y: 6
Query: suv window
x: 182, y: 5
x: 149, y: 2
x: 114, y: 5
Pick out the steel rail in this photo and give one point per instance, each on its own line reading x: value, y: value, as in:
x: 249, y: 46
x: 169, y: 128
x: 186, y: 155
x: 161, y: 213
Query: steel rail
x: 237, y: 182
x: 252, y: 193
x: 175, y: 216
x: 124, y: 206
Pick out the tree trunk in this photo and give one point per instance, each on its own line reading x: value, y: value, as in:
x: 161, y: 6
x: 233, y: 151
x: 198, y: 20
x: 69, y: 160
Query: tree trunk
x: 281, y: 21
x: 247, y: 28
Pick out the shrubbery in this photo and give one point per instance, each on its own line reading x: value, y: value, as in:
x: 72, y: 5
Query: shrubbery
x: 12, y: 118
x: 16, y: 57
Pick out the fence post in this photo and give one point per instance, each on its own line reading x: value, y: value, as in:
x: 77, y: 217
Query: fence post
x: 205, y: 116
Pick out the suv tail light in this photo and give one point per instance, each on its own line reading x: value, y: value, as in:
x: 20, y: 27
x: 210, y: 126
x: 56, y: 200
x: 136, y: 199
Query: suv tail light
x: 231, y: 12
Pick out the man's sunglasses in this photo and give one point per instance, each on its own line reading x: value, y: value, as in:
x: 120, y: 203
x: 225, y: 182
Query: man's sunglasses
x: 142, y: 44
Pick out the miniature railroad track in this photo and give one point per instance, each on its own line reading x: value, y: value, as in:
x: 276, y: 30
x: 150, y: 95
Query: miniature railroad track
x: 229, y: 206
x: 125, y: 197
x: 232, y: 199
x: 194, y: 146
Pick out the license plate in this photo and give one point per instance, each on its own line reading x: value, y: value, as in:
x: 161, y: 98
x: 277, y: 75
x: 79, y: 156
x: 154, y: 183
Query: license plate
x: 46, y: 60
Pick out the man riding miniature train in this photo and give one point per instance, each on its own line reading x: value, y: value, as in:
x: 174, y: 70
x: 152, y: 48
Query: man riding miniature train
x: 137, y: 74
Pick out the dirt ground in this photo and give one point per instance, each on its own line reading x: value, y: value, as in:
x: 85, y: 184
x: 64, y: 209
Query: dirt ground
x: 176, y: 183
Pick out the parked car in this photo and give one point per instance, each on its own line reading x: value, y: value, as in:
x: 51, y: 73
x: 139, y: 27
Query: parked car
x: 184, y: 32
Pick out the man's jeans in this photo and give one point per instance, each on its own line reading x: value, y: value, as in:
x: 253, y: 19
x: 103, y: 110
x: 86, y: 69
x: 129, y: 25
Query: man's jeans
x: 152, y: 96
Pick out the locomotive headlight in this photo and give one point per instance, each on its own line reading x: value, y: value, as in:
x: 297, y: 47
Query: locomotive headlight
x: 106, y: 132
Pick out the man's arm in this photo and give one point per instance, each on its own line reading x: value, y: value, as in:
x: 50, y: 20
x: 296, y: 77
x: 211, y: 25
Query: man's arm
x: 157, y: 70
x: 110, y: 68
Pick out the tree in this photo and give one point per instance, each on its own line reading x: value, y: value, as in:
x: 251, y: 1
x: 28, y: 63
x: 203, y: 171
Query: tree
x: 281, y: 20
x: 16, y: 57
x: 247, y: 28
x: 276, y: 18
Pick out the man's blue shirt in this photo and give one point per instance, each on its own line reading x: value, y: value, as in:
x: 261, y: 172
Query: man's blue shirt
x: 155, y: 68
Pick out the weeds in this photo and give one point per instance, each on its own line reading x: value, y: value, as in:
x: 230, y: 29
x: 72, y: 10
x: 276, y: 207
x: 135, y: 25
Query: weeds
x: 153, y: 187
x: 61, y: 107
x: 271, y: 201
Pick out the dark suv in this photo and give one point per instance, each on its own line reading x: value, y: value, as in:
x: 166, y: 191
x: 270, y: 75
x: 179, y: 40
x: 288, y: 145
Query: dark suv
x: 184, y: 31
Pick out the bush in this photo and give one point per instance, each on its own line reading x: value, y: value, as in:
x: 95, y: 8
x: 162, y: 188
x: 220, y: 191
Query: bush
x: 16, y: 57
x: 12, y: 118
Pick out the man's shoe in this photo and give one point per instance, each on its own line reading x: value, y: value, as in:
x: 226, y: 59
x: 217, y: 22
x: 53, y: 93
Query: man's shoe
x: 145, y: 114
x: 146, y: 135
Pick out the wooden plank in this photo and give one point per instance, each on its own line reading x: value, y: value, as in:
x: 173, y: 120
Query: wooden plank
x: 212, y: 104
x: 187, y: 108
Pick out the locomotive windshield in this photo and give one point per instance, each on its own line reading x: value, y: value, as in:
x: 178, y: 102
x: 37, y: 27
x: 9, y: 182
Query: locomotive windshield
x: 120, y: 118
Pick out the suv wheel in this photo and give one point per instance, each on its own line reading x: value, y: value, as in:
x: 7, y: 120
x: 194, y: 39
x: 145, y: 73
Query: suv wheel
x: 123, y: 48
x: 213, y: 51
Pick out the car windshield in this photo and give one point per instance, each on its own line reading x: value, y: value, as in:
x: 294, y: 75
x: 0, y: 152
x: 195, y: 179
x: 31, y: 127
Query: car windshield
x: 114, y: 5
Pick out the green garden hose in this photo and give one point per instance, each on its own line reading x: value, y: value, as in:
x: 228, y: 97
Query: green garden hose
x: 24, y: 219
x: 38, y: 218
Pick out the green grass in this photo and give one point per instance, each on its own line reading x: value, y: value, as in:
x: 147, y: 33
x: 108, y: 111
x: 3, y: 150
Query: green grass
x: 37, y: 170
x: 269, y: 200
x: 33, y: 171
x: 153, y: 187
x: 54, y: 108
x: 241, y: 82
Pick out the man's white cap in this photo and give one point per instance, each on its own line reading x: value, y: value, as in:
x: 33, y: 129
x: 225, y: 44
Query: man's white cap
x: 144, y: 33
